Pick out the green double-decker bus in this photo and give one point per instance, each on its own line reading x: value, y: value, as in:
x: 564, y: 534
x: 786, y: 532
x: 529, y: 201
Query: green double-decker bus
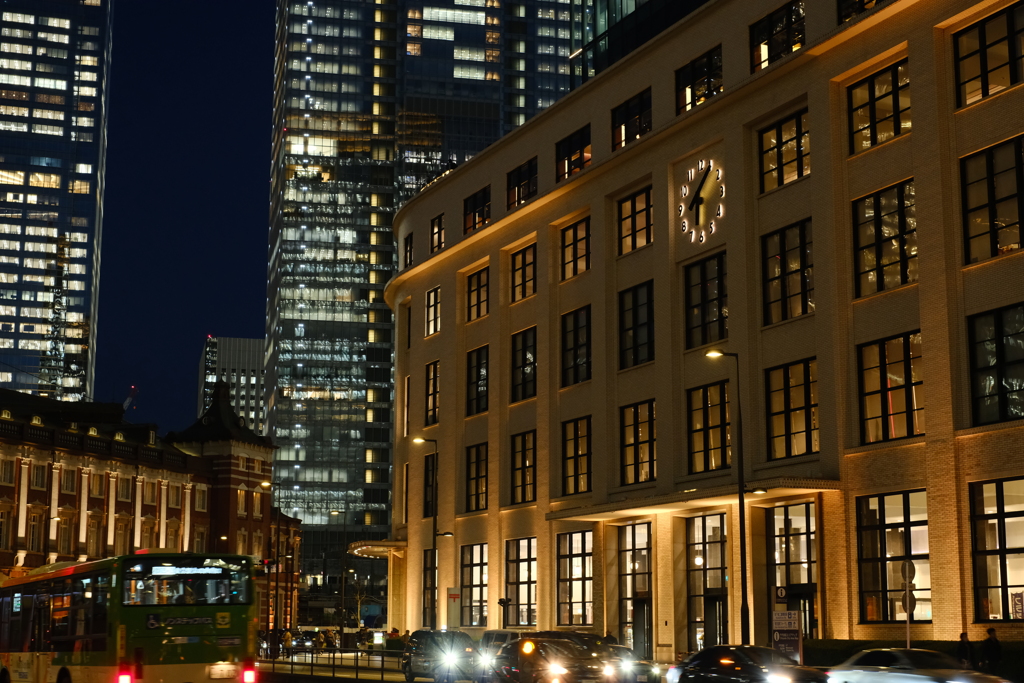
x: 152, y: 617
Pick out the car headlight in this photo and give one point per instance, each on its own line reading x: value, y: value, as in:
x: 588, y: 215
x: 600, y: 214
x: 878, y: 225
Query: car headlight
x: 450, y: 658
x: 609, y: 670
x: 778, y: 678
x: 656, y: 671
x: 487, y: 661
x: 627, y: 665
x: 558, y: 669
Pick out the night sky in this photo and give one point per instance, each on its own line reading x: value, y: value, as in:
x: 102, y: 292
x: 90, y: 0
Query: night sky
x: 184, y: 249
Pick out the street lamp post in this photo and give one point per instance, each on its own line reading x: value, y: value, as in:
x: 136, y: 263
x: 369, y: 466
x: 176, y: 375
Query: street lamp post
x: 742, y: 486
x: 433, y: 536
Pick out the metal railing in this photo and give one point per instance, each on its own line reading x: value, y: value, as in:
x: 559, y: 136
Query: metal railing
x: 363, y: 663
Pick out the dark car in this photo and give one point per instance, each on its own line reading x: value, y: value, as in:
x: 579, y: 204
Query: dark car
x: 550, y: 660
x: 904, y: 666
x: 443, y: 656
x: 631, y: 669
x: 746, y: 663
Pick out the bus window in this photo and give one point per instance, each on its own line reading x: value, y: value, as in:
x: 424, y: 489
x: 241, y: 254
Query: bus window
x: 187, y: 581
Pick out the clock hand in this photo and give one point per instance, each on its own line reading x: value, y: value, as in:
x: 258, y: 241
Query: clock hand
x: 696, y: 193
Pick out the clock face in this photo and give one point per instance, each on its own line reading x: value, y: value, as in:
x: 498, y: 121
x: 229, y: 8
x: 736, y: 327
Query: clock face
x: 702, y: 200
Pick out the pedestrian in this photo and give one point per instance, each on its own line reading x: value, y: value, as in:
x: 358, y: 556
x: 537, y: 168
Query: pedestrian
x: 610, y: 639
x: 991, y: 653
x: 965, y: 652
x: 406, y: 636
x: 320, y: 641
x: 288, y: 643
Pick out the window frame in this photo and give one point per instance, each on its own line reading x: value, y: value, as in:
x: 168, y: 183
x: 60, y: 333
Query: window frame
x: 992, y: 202
x: 804, y: 273
x: 711, y: 564
x: 998, y: 339
x: 577, y: 440
x: 634, y: 467
x: 636, y: 325
x: 429, y: 579
x: 521, y: 184
x: 629, y: 232
x: 478, y: 294
x: 476, y: 380
x: 898, y: 112
x: 795, y: 552
x: 476, y: 211
x: 523, y: 272
x: 809, y: 404
x: 702, y: 74
x: 907, y: 235
x: 524, y: 467
x: 910, y: 388
x: 432, y: 312
x: 710, y: 330
x: 570, y: 584
x: 433, y: 393
x: 430, y: 461
x: 407, y: 251
x: 572, y: 154
x: 473, y: 584
x: 521, y: 581
x: 631, y: 120
x: 437, y: 233
x: 576, y: 346
x: 1014, y: 67
x: 524, y: 369
x: 476, y: 477
x: 982, y: 593
x: 802, y: 138
x: 701, y: 402
x: 571, y: 256
x: 635, y: 571
x: 794, y: 29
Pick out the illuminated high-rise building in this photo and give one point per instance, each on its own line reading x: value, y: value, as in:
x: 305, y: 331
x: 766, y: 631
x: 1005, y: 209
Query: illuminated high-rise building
x: 54, y: 62
x: 239, y: 364
x: 372, y: 101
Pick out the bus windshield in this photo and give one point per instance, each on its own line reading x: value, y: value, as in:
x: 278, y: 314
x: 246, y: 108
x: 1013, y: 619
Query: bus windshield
x: 186, y: 580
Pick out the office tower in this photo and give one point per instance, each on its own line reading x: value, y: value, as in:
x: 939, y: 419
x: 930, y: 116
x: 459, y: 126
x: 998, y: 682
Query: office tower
x: 54, y: 64
x: 373, y: 100
x: 239, y: 363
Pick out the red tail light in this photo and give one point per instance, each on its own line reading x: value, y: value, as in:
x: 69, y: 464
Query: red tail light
x: 124, y: 678
x: 248, y: 676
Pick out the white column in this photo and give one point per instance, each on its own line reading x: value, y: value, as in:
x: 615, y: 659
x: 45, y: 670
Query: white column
x: 83, y: 512
x: 55, y: 469
x: 163, y: 513
x: 138, y: 512
x: 111, y: 510
x: 186, y: 532
x: 23, y: 510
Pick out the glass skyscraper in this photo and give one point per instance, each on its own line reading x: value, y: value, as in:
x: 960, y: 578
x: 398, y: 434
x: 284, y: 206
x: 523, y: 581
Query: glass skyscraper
x: 372, y: 101
x: 54, y: 62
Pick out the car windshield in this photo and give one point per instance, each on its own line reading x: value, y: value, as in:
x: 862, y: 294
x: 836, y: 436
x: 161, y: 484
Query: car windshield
x: 452, y: 640
x: 560, y: 650
x: 926, y: 659
x: 766, y: 656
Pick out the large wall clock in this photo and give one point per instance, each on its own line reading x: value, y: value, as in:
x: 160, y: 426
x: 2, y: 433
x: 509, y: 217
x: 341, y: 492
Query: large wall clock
x: 702, y: 200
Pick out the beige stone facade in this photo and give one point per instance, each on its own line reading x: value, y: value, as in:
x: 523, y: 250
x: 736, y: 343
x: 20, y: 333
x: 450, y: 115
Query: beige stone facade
x: 725, y: 133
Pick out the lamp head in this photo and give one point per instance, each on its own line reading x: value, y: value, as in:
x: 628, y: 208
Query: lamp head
x: 266, y: 484
x: 335, y: 513
x: 759, y: 491
x: 714, y: 353
x: 419, y: 439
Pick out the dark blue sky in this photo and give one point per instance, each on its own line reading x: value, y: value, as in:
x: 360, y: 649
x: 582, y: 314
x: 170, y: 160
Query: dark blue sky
x: 185, y: 233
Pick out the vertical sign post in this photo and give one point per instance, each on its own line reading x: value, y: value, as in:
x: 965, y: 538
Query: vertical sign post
x: 786, y: 637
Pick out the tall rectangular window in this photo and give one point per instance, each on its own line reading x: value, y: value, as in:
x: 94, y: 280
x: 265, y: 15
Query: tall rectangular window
x: 879, y: 107
x: 793, y: 560
x: 408, y: 250
x: 522, y: 183
x: 437, y: 233
x: 793, y: 409
x: 524, y: 464
x: 785, y: 151
x: 886, y: 234
x: 997, y: 516
x: 788, y: 272
x: 988, y: 55
x: 474, y: 584
x: 524, y: 364
x: 433, y: 312
x: 476, y: 210
x: 429, y: 588
x: 992, y: 200
x: 476, y: 381
x: 477, y: 294
x: 707, y: 573
x: 893, y: 541
x: 429, y: 477
x: 572, y: 154
x: 636, y: 325
x: 707, y: 302
x: 433, y: 391
x: 631, y: 119
x: 777, y: 35
x: 890, y: 388
x: 635, y: 548
x: 576, y: 578
x: 521, y: 582
x: 576, y: 248
x: 576, y: 456
x: 710, y: 435
x: 699, y: 80
x: 637, y: 443
x: 476, y: 477
x: 576, y: 346
x: 636, y: 221
x: 524, y: 273
x: 997, y: 365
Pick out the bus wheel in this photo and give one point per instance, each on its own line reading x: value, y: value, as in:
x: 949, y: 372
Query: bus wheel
x: 5, y: 677
x: 64, y: 676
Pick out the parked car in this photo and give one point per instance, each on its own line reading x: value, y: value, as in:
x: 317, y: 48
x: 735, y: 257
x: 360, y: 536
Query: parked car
x: 904, y: 666
x: 490, y: 642
x: 549, y: 660
x: 746, y: 663
x: 304, y: 641
x: 631, y: 669
x: 443, y: 656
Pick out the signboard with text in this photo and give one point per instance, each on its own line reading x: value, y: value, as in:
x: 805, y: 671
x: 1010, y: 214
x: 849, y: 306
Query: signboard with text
x: 786, y: 636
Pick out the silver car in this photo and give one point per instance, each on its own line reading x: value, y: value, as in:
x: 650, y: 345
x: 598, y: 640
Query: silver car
x: 904, y: 666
